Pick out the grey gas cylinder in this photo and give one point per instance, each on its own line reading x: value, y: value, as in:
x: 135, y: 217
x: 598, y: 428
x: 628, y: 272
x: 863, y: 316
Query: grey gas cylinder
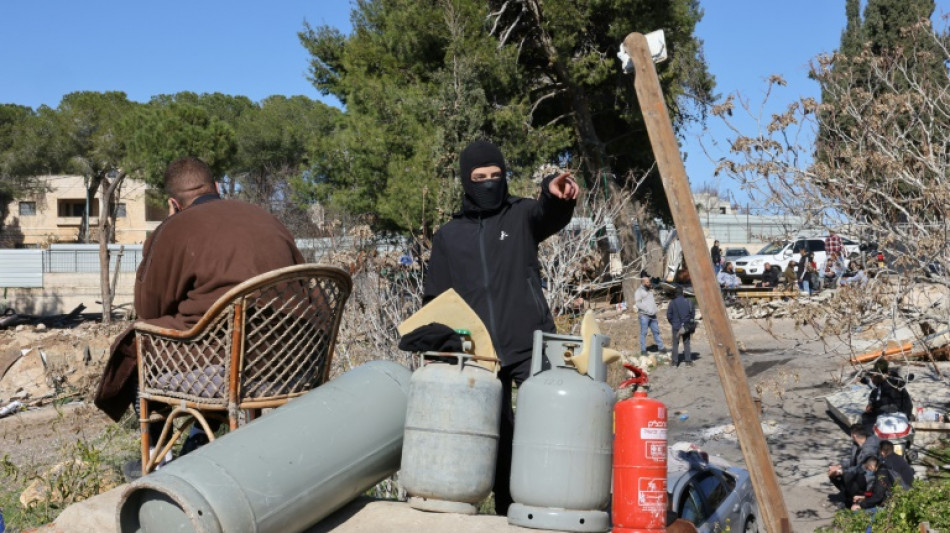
x: 451, y: 440
x: 563, y: 441
x: 285, y: 471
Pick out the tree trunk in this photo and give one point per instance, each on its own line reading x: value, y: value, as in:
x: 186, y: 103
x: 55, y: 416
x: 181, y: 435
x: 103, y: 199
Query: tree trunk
x: 108, y: 190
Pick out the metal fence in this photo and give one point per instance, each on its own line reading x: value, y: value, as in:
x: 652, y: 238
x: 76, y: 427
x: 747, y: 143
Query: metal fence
x: 84, y: 258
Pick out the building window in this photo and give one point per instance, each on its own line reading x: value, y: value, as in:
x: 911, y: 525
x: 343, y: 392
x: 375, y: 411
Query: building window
x: 120, y: 210
x: 75, y: 207
x: 27, y: 209
x: 156, y: 208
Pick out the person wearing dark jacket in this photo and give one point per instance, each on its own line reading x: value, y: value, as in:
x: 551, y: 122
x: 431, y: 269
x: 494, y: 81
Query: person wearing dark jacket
x: 770, y: 276
x: 679, y: 312
x: 903, y: 473
x: 848, y: 476
x: 488, y: 253
x: 880, y: 483
x: 715, y: 253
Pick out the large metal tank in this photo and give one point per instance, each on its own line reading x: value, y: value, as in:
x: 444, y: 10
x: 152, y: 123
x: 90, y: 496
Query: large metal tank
x: 285, y: 471
x: 451, y: 440
x: 561, y: 462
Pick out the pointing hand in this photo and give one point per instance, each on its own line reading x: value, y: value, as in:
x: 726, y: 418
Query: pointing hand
x: 563, y: 187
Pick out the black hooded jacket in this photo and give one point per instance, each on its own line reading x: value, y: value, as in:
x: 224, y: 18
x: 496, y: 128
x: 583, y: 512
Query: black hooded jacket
x: 491, y: 260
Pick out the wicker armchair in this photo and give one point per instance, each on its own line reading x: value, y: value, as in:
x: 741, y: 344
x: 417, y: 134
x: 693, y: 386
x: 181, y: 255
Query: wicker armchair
x: 262, y: 343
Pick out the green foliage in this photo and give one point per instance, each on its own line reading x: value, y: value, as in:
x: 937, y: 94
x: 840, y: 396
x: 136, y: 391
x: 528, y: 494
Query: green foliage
x: 88, y: 468
x: 540, y: 81
x: 160, y: 133
x: 926, y: 501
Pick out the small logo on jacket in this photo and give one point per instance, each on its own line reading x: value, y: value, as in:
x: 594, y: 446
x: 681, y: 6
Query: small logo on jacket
x: 503, y: 235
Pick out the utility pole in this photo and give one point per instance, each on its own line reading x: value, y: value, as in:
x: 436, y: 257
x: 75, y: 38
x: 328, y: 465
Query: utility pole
x: 721, y: 339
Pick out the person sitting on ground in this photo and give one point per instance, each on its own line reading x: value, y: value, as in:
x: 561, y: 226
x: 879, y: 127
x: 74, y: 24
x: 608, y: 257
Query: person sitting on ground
x: 727, y: 278
x: 854, y: 276
x: 646, y: 310
x: 888, y: 395
x: 832, y: 269
x: 770, y: 277
x: 880, y: 481
x: 903, y: 473
x: 848, y: 475
x: 205, y: 247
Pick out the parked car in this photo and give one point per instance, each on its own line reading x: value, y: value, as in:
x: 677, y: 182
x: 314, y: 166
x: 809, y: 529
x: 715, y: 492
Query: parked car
x: 731, y: 254
x: 780, y: 253
x: 714, y: 498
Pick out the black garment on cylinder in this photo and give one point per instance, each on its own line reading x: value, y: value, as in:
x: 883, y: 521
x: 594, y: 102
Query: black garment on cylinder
x: 434, y: 337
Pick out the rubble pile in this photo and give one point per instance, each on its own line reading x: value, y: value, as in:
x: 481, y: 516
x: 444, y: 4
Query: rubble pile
x: 41, y: 365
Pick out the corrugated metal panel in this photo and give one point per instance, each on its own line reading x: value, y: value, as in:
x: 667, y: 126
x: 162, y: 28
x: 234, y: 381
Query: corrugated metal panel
x: 21, y: 268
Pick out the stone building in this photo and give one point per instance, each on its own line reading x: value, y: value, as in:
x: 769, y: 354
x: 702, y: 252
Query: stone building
x: 53, y: 213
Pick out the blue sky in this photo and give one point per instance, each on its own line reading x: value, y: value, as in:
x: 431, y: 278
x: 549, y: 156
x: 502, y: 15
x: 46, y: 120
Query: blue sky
x: 50, y: 48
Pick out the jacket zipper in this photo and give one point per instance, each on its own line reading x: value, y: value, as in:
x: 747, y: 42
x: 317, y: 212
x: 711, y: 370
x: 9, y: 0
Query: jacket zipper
x: 481, y: 249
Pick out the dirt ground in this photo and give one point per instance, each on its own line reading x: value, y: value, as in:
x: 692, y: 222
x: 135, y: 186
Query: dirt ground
x: 791, y: 374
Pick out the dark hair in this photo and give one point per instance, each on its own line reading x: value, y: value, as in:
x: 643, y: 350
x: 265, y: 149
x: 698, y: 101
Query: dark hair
x: 859, y: 430
x: 679, y: 291
x: 188, y: 177
x: 887, y: 447
x: 868, y: 459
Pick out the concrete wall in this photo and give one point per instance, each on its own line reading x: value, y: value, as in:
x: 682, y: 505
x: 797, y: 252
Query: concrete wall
x: 61, y: 293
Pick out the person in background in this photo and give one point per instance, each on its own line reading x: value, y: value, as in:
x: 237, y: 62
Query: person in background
x: 833, y: 243
x: 716, y: 253
x: 488, y: 253
x: 678, y: 313
x: 770, y: 277
x: 727, y: 279
x: 789, y: 276
x: 802, y: 272
x: 903, y: 473
x: 646, y: 311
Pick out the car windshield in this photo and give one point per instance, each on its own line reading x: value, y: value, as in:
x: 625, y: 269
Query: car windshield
x: 773, y: 248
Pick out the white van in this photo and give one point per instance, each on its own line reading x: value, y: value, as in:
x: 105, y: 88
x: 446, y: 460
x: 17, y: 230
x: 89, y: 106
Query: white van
x: 780, y: 253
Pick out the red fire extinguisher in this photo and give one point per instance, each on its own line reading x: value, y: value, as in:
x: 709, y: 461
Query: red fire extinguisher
x: 639, y: 499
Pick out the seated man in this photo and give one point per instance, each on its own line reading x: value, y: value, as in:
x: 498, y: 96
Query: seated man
x: 854, y: 275
x: 903, y: 473
x: 205, y: 247
x: 727, y: 278
x: 832, y: 269
x: 770, y: 276
x: 880, y: 482
x: 888, y: 394
x: 848, y: 476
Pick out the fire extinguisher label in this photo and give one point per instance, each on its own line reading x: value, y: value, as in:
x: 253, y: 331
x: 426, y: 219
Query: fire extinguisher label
x: 653, y: 433
x: 651, y: 493
x: 655, y: 450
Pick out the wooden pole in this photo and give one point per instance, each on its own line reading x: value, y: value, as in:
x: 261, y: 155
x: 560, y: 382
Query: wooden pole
x: 774, y: 515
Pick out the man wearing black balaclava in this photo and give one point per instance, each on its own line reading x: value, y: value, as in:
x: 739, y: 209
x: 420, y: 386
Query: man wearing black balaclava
x: 488, y: 253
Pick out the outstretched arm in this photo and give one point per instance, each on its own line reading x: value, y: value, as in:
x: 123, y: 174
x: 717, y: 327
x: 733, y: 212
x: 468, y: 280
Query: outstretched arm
x: 555, y: 206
